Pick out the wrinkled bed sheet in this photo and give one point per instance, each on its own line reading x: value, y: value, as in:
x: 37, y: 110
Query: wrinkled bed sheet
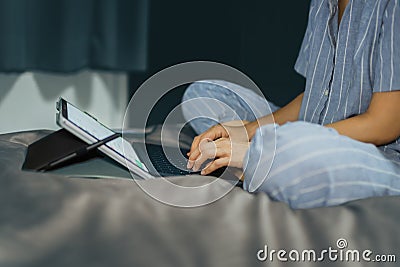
x: 53, y: 220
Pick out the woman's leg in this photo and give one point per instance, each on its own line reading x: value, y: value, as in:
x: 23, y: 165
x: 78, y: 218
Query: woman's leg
x: 314, y: 166
x: 206, y: 103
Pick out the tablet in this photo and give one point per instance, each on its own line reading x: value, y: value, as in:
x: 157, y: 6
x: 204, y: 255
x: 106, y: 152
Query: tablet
x: 88, y: 129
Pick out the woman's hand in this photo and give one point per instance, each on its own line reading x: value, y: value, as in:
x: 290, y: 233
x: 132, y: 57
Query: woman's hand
x: 222, y: 151
x: 235, y: 130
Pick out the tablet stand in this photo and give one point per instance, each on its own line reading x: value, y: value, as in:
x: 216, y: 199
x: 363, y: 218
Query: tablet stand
x: 53, y: 147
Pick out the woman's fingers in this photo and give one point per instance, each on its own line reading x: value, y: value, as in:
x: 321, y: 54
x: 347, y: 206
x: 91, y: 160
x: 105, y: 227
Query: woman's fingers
x: 215, y: 165
x: 211, y: 150
x: 195, y: 145
x: 215, y: 132
x: 203, y: 147
x: 207, y: 151
x: 223, y: 153
x: 193, y: 157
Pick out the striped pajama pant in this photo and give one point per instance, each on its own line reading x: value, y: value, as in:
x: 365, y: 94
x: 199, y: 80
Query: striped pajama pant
x: 303, y: 164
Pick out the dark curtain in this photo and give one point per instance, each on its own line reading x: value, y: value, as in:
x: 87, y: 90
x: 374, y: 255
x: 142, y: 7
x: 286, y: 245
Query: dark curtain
x: 69, y: 35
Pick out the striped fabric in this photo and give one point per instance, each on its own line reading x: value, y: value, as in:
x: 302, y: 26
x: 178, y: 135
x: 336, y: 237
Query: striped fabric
x: 345, y: 64
x: 308, y: 166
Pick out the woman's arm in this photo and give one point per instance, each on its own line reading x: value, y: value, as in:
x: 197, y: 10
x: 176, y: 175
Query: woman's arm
x: 288, y: 113
x: 239, y: 134
x: 379, y: 125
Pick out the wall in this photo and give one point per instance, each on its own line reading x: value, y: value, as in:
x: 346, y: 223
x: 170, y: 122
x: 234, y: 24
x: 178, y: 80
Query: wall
x: 27, y: 101
x: 260, y: 38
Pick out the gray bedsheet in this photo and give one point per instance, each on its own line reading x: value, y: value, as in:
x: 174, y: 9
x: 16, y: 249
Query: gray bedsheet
x: 54, y: 220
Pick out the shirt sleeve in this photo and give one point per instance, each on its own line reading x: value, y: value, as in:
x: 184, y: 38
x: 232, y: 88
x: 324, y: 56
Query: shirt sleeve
x: 387, y: 68
x: 259, y: 158
x: 304, y: 54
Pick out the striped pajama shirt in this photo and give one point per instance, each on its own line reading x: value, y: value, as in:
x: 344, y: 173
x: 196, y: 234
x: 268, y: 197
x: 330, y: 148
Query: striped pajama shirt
x: 343, y: 65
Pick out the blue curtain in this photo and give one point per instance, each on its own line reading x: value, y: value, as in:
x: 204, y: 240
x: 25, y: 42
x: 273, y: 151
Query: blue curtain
x: 69, y: 35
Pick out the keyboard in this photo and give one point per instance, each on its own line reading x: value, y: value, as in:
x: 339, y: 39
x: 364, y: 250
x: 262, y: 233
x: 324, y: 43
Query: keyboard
x: 174, y: 167
x: 165, y: 168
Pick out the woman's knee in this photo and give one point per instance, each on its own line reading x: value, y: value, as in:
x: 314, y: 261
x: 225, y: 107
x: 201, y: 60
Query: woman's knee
x: 191, y: 91
x: 201, y: 106
x: 300, y: 192
x: 206, y: 89
x: 304, y: 147
x: 300, y: 160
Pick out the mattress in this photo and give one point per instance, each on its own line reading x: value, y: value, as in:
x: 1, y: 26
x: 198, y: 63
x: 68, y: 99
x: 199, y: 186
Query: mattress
x: 65, y: 219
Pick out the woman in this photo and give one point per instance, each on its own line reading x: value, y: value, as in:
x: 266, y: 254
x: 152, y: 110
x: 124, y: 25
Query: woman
x: 339, y: 140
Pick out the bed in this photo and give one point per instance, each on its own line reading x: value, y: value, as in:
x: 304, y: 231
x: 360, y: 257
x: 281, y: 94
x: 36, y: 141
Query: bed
x: 94, y: 214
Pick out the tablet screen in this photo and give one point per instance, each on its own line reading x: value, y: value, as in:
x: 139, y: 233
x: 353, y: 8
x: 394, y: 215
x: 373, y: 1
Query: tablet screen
x: 99, y: 131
